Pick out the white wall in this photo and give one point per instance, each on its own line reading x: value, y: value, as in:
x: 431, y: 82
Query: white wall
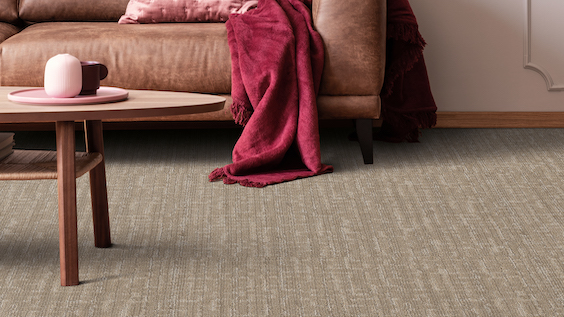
x: 475, y: 53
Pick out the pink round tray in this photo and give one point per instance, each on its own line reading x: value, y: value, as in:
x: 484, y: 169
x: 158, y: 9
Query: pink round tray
x: 39, y: 97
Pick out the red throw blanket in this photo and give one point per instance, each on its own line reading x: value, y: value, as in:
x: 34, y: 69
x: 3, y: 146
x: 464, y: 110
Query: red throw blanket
x: 407, y: 101
x: 277, y: 61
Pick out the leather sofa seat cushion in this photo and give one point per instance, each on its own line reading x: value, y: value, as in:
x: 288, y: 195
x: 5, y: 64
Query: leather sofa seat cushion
x: 71, y: 10
x: 329, y: 108
x: 172, y: 56
x: 7, y: 30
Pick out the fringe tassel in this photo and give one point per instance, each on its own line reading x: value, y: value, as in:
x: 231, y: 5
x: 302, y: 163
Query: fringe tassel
x: 248, y: 183
x: 243, y: 182
x: 217, y: 174
x: 427, y: 120
x: 406, y: 33
x: 412, y: 51
x: 241, y: 112
x: 401, y: 127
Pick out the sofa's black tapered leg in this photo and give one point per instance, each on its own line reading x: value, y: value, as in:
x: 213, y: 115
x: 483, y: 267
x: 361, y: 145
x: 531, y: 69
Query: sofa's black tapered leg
x: 364, y: 133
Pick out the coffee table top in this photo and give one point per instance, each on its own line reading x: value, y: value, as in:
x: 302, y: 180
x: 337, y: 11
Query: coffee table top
x: 140, y: 103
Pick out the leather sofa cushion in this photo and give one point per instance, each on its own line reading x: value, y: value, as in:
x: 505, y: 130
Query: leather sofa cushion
x: 7, y: 30
x: 71, y: 10
x: 329, y: 108
x: 170, y: 56
x: 8, y: 11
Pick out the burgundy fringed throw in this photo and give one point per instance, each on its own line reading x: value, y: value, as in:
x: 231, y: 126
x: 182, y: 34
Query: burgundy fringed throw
x: 277, y: 61
x: 407, y: 101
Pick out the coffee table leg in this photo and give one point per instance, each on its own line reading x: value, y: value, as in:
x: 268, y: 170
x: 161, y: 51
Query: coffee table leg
x: 66, y: 183
x: 98, y: 190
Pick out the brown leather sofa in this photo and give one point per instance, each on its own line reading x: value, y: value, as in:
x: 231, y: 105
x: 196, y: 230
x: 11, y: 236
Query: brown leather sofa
x: 193, y: 57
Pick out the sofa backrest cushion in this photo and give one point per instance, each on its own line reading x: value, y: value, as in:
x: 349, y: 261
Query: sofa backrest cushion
x: 71, y: 10
x: 8, y: 11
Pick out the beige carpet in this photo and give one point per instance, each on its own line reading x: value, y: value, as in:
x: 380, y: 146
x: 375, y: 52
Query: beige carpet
x: 465, y: 223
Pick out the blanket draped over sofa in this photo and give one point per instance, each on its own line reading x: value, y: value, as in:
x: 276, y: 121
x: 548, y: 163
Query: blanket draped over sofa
x: 407, y: 101
x: 277, y: 61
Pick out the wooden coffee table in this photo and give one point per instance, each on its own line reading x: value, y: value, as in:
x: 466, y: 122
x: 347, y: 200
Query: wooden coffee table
x: 65, y: 165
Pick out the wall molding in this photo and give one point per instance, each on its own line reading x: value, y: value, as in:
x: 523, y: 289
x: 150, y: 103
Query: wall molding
x: 528, y: 61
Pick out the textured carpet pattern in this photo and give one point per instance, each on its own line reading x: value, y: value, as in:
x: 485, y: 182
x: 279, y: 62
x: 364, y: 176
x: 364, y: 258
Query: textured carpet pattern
x: 465, y: 223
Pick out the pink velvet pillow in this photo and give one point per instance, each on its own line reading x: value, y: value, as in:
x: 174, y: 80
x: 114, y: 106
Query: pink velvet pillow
x: 156, y: 11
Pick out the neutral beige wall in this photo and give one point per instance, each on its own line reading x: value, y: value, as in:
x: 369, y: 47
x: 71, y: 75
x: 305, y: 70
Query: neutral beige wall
x: 475, y: 53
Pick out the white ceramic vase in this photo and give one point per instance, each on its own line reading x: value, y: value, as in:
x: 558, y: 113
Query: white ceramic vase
x: 63, y: 76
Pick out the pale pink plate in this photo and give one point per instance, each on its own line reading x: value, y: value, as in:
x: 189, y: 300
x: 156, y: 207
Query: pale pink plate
x: 39, y: 97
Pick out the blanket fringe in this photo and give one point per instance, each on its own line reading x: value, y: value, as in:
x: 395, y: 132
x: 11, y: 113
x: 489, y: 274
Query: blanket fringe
x: 407, y: 104
x: 411, y: 53
x: 406, y: 33
x: 217, y: 174
x: 401, y: 127
x: 248, y: 183
x: 241, y: 112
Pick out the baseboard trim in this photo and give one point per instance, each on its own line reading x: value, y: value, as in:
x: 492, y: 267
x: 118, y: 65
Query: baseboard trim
x: 500, y: 120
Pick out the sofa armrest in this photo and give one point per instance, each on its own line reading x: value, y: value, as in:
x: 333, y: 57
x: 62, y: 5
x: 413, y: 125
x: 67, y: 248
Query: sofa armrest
x: 354, y: 35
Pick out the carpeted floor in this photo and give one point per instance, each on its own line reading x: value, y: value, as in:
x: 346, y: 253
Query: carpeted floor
x: 468, y: 222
